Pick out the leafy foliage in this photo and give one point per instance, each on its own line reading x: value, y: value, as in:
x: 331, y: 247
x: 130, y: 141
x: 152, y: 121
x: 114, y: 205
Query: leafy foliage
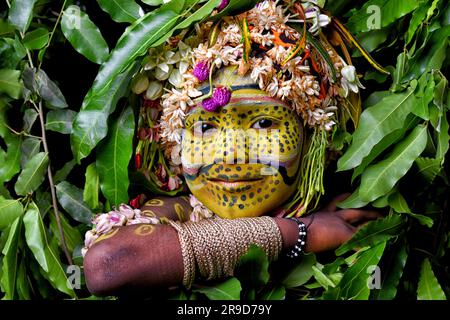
x: 396, y: 160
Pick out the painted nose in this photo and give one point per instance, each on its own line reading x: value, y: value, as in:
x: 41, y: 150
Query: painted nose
x: 231, y: 147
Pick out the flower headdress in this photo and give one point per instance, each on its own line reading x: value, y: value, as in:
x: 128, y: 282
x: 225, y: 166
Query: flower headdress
x: 289, y: 49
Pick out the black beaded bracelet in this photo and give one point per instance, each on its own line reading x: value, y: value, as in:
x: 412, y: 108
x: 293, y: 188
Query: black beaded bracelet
x: 299, y: 247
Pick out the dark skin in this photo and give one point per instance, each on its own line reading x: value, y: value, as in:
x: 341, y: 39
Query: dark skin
x: 141, y: 257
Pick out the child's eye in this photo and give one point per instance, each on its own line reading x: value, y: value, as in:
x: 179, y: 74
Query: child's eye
x: 263, y: 124
x: 204, y: 128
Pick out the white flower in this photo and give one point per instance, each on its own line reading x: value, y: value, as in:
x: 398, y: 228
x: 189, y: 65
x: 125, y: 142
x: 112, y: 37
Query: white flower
x: 162, y: 62
x: 273, y: 87
x: 163, y: 74
x: 174, y: 183
x: 199, y: 211
x: 175, y: 155
x: 102, y: 224
x: 322, y: 117
x: 267, y: 15
x: 175, y: 78
x: 127, y: 211
x: 230, y: 34
x: 154, y: 90
x: 260, y: 70
x: 350, y: 80
x: 285, y: 89
x: 185, y: 55
x: 89, y: 238
x: 140, y: 84
x: 319, y: 20
x: 278, y: 53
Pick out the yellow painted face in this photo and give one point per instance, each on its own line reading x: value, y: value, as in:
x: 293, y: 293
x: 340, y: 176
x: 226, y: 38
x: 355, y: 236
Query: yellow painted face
x: 243, y: 160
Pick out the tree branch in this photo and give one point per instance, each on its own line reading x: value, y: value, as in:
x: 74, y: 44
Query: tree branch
x: 52, y: 186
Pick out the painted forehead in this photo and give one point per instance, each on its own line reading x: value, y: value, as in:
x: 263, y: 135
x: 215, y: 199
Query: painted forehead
x: 244, y: 105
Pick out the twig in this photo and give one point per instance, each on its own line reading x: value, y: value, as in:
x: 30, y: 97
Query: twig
x: 53, y: 31
x: 21, y: 133
x: 52, y: 186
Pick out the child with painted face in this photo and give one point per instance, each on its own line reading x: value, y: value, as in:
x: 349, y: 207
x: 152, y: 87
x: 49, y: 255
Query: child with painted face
x: 245, y: 154
x: 242, y: 162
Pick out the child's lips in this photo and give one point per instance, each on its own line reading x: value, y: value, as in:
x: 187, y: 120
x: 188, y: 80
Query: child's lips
x: 232, y: 184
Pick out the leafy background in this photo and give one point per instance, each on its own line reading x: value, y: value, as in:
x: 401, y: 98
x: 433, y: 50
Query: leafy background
x: 62, y: 163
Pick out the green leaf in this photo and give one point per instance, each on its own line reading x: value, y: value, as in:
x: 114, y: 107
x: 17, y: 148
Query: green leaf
x: 36, y: 238
x: 428, y: 168
x: 275, y: 293
x: 354, y: 283
x: 62, y: 173
x: 60, y: 121
x: 153, y: 2
x: 121, y: 10
x: 416, y: 21
x: 21, y: 13
x: 10, y: 83
x: 388, y: 141
x: 84, y: 35
x: 36, y: 39
x: 228, y: 290
x: 322, y: 278
x: 91, y: 187
x: 353, y: 201
x: 391, y: 277
x: 23, y: 283
x: 90, y: 125
x: 397, y: 83
x: 12, y: 52
x: 301, y: 273
x: 374, y: 232
x: 71, y: 199
x: 383, y: 201
x: 201, y: 13
x: 235, y: 7
x: 10, y: 210
x: 429, y: 288
x: 443, y: 138
x: 49, y: 91
x: 425, y: 96
x: 389, y: 11
x: 134, y: 43
x: 11, y: 159
x: 113, y: 158
x: 29, y: 118
x: 32, y: 175
x: 177, y: 6
x: 72, y: 235
x: 377, y: 122
x: 379, y: 178
x: 10, y: 260
x: 432, y: 57
x: 252, y: 269
x: 399, y: 204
